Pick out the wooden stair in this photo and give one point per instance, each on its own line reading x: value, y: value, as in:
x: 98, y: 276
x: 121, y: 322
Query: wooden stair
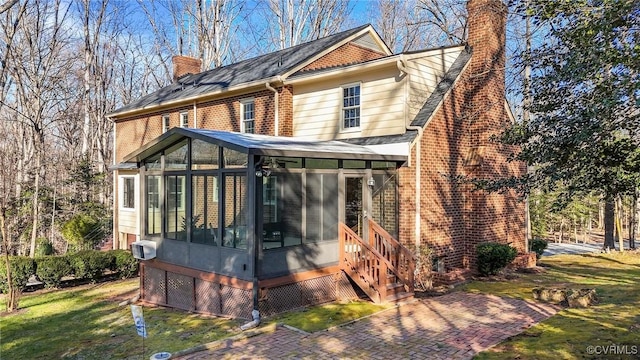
x: 381, y: 267
x: 397, y: 291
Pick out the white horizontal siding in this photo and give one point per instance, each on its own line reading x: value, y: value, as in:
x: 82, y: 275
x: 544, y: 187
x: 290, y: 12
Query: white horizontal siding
x: 317, y: 107
x: 425, y: 74
x: 367, y: 41
x: 128, y: 222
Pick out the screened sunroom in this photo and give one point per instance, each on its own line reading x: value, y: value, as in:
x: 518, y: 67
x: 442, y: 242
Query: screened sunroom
x: 231, y: 208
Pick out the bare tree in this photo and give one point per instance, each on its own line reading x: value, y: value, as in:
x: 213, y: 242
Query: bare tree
x: 5, y: 6
x: 38, y: 68
x: 447, y: 18
x: 299, y: 21
x: 201, y: 29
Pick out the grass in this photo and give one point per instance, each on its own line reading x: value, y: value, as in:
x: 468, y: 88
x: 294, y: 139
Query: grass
x: 322, y: 317
x: 615, y: 320
x: 87, y: 323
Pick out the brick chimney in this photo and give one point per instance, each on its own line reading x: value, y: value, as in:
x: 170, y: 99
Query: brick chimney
x: 485, y: 115
x: 184, y: 65
x: 484, y: 79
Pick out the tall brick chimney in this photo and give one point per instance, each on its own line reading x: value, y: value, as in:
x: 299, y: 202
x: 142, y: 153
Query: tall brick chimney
x: 488, y: 216
x: 183, y: 65
x: 485, y: 76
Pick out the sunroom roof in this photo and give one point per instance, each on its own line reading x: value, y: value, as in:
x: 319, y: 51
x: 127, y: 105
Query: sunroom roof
x: 254, y: 144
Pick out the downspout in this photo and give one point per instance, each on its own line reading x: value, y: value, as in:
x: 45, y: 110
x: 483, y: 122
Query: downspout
x: 402, y: 67
x: 418, y: 187
x: 277, y: 108
x: 195, y: 115
x: 115, y: 234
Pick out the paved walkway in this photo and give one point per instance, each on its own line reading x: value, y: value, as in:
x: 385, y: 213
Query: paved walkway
x: 453, y: 326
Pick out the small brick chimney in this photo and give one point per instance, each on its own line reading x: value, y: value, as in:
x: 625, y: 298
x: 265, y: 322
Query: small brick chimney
x: 183, y: 65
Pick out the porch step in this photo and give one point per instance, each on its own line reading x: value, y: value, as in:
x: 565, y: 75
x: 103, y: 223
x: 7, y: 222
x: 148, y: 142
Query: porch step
x: 399, y: 296
x: 394, y: 288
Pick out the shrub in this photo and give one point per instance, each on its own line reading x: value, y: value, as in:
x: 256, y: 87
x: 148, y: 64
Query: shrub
x: 90, y: 264
x: 44, y: 247
x: 83, y: 231
x: 22, y: 267
x: 51, y: 269
x: 125, y: 264
x: 538, y: 245
x: 493, y: 257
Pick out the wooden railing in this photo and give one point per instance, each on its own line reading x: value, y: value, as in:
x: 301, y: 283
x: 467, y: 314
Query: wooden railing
x: 373, y: 265
x: 402, y: 260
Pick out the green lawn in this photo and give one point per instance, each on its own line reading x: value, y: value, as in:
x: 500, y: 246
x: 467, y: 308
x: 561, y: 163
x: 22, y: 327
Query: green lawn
x: 322, y: 317
x: 87, y: 323
x: 615, y: 320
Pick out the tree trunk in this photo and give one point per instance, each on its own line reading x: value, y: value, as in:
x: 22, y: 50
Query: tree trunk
x: 618, y: 220
x: 36, y: 206
x: 600, y: 215
x: 12, y: 298
x: 635, y: 216
x: 609, y: 215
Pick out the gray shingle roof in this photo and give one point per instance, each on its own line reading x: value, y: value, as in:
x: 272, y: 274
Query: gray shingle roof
x: 262, y: 67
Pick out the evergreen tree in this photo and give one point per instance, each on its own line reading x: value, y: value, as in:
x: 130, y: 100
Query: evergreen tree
x: 585, y: 130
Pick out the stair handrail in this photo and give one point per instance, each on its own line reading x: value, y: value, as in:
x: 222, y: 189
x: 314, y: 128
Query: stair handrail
x: 398, y: 249
x: 386, y: 265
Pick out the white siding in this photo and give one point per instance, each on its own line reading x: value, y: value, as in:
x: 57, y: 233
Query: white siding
x: 367, y: 41
x: 128, y: 219
x: 425, y: 74
x: 317, y: 107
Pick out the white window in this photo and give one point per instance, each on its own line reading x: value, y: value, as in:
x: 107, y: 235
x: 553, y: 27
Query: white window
x: 351, y: 107
x: 128, y: 200
x: 184, y: 119
x: 165, y: 123
x: 247, y: 116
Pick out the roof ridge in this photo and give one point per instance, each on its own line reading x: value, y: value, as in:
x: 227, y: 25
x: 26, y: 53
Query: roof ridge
x: 291, y: 48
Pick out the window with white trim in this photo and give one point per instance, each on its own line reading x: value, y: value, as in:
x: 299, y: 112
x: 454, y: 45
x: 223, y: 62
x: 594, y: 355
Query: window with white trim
x: 247, y: 116
x: 128, y: 192
x: 184, y: 119
x: 165, y: 123
x: 351, y: 107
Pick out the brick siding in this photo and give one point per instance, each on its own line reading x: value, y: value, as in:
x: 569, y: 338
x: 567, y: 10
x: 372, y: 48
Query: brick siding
x: 454, y: 218
x: 346, y: 54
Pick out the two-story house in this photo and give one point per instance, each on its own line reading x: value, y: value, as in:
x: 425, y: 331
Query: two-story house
x: 267, y: 183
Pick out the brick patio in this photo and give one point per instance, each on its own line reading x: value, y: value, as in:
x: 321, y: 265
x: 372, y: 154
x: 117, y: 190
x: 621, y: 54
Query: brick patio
x: 453, y: 326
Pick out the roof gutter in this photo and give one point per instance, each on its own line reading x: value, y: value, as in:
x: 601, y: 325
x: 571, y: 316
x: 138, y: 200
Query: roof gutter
x: 190, y: 99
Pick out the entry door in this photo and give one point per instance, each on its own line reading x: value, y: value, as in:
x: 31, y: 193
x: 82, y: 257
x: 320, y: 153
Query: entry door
x: 355, y: 203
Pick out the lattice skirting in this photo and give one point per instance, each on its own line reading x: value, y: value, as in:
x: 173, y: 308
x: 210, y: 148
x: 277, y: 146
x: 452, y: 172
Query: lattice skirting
x: 185, y: 292
x: 314, y: 291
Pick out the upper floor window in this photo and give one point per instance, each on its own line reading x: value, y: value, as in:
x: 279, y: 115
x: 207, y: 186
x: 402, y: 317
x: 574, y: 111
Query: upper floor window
x: 165, y: 123
x: 184, y: 119
x: 128, y: 192
x: 247, y: 116
x: 351, y: 107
